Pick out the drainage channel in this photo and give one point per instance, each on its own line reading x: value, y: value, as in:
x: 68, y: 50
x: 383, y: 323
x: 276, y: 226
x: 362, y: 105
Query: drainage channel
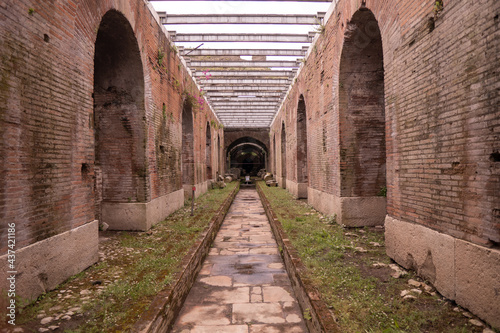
x: 243, y: 286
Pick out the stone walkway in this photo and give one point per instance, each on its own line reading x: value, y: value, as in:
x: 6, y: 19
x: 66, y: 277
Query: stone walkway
x: 243, y: 286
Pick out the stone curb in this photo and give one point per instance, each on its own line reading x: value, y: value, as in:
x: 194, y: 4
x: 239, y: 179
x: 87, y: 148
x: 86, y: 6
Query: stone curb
x: 321, y: 318
x: 165, y: 307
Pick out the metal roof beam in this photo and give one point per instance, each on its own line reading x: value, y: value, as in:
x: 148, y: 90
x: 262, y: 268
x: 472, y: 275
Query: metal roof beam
x: 214, y: 100
x: 257, y: 113
x: 244, y: 123
x: 236, y: 117
x: 240, y: 90
x: 262, y: 107
x: 246, y: 111
x: 253, y: 102
x: 230, y: 64
x: 246, y: 73
x: 238, y: 19
x: 233, y: 117
x: 260, y: 38
x: 245, y: 108
x: 244, y: 52
x: 246, y: 81
x: 257, y: 94
x: 239, y: 119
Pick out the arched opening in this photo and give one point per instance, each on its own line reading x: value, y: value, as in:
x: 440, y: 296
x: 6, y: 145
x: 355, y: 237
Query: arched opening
x: 247, y: 154
x: 208, y: 151
x: 187, y: 145
x: 283, y: 156
x: 118, y: 116
x: 218, y: 148
x: 361, y: 105
x: 274, y: 154
x: 302, y: 176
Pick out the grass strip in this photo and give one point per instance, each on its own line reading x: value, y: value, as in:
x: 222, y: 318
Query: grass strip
x: 341, y: 263
x: 116, y: 291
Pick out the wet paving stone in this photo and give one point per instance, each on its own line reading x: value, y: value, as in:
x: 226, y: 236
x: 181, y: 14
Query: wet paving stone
x: 242, y: 286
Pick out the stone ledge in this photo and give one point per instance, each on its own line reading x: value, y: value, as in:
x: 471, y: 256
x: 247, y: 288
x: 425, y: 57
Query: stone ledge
x: 462, y: 271
x: 141, y: 216
x: 45, y: 264
x: 322, y: 319
x: 164, y: 309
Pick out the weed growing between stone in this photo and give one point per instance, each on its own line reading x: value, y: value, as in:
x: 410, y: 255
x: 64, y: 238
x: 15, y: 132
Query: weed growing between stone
x: 353, y: 274
x: 133, y: 267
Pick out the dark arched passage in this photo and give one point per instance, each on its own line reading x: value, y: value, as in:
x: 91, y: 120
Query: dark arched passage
x: 283, y: 156
x: 187, y: 145
x: 302, y: 174
x: 118, y: 115
x: 248, y: 154
x: 208, y: 151
x: 275, y: 154
x: 362, y: 115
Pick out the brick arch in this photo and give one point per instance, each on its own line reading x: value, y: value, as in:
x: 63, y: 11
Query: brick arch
x: 362, y: 108
x: 248, y: 154
x: 274, y: 154
x: 118, y: 114
x: 208, y: 151
x: 187, y: 145
x: 302, y: 173
x: 219, y: 164
x: 283, y: 155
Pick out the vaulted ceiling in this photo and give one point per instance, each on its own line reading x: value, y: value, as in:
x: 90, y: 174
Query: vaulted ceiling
x: 245, y: 86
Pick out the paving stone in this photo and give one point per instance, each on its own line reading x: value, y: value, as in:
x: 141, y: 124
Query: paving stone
x: 256, y: 290
x: 226, y: 252
x: 230, y: 295
x: 220, y: 281
x: 275, y: 265
x: 206, y: 269
x: 281, y: 280
x: 253, y: 279
x: 225, y: 245
x: 287, y: 328
x: 262, y: 239
x: 220, y: 329
x: 208, y: 314
x: 242, y: 286
x: 293, y: 318
x: 276, y: 294
x: 264, y: 250
x: 267, y: 313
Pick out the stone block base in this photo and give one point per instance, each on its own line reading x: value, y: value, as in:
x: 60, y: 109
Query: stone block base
x: 460, y: 270
x: 281, y: 181
x: 362, y: 211
x: 350, y: 211
x: 46, y: 264
x: 326, y: 203
x: 140, y: 216
x: 298, y: 190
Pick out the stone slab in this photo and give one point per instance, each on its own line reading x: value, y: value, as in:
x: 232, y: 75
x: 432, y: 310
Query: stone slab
x: 206, y: 315
x: 141, y: 215
x: 49, y: 262
x: 477, y: 276
x: 267, y: 313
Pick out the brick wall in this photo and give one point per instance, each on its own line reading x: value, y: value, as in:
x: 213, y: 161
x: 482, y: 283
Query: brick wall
x: 441, y: 112
x: 51, y: 136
